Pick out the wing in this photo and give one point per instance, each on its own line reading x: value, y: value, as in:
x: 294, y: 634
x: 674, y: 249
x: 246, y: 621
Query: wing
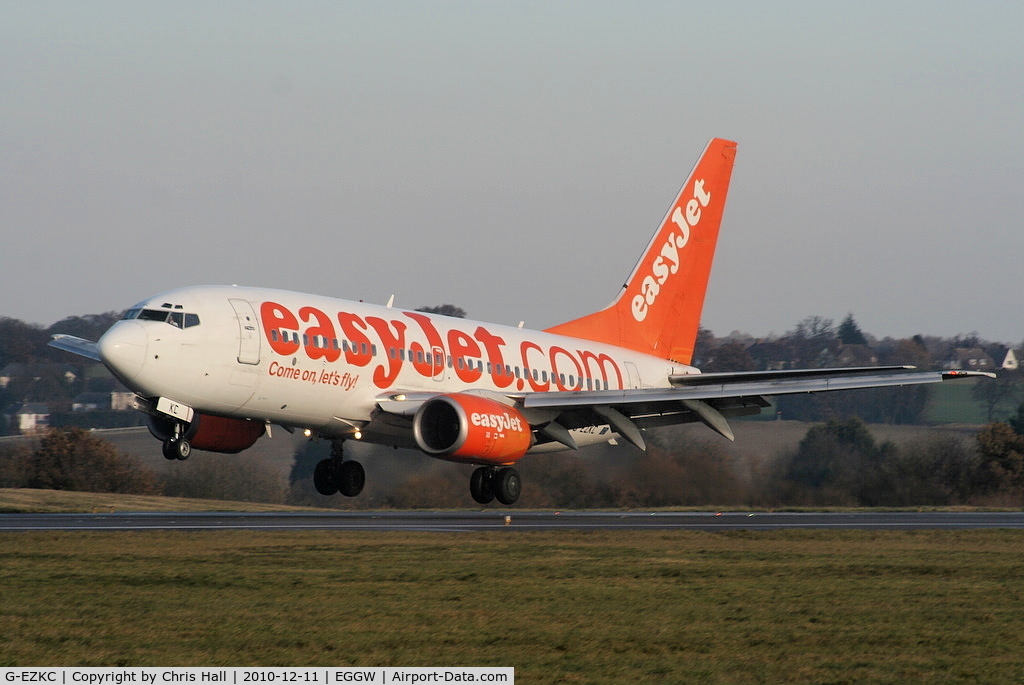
x: 714, y: 397
x: 79, y: 346
x: 711, y: 398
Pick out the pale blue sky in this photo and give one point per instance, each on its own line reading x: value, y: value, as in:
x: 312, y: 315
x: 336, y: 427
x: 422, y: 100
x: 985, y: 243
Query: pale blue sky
x: 514, y: 158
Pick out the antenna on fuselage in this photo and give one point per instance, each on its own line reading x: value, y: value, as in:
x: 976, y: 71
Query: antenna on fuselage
x: 391, y: 301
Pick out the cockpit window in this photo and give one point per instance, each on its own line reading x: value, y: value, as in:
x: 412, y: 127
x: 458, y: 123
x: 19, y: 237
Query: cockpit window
x: 178, y: 319
x: 153, y: 315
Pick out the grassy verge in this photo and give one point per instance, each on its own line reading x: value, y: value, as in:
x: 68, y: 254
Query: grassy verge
x: 29, y: 501
x: 560, y: 607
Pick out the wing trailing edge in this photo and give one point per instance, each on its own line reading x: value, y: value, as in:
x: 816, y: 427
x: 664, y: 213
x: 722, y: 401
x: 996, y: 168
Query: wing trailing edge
x: 716, y: 386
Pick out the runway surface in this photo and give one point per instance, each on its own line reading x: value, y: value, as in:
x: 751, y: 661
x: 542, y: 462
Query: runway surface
x: 474, y: 521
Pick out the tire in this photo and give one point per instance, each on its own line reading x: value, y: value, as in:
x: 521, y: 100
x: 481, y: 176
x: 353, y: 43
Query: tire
x: 350, y: 478
x: 170, y: 450
x: 507, y: 485
x: 480, y: 486
x: 323, y: 478
x: 183, y: 449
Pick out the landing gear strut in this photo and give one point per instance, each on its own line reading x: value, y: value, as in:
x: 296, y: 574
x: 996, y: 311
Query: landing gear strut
x: 176, y: 446
x: 335, y: 475
x: 488, y: 482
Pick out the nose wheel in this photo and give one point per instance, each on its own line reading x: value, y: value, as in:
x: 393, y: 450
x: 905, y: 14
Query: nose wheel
x: 177, y: 448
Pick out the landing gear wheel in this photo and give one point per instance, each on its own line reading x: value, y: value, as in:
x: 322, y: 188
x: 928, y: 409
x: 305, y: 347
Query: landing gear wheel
x: 507, y: 485
x: 480, y: 485
x: 323, y: 477
x: 350, y: 477
x: 177, y: 449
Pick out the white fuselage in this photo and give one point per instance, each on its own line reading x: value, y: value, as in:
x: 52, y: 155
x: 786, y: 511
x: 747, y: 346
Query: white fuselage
x: 321, y: 363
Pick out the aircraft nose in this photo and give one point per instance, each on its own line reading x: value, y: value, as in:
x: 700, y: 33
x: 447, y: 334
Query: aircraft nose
x: 123, y: 349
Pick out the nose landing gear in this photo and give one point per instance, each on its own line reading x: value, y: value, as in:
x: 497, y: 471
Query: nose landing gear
x: 176, y: 446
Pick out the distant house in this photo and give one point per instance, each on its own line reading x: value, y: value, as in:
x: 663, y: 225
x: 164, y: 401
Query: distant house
x: 33, y: 417
x: 16, y: 370
x: 971, y: 359
x: 91, y: 401
x: 856, y: 355
x: 122, y: 400
x: 770, y: 356
x: 10, y: 372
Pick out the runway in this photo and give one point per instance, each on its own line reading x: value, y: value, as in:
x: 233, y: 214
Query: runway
x: 510, y: 520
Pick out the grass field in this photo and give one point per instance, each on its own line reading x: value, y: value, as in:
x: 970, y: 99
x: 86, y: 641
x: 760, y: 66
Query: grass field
x: 607, y: 607
x: 954, y: 403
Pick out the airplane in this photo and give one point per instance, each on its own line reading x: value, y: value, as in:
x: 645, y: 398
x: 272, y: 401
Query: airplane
x: 214, y: 367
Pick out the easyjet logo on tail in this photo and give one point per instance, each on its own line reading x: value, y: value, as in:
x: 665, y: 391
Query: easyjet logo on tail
x: 667, y: 262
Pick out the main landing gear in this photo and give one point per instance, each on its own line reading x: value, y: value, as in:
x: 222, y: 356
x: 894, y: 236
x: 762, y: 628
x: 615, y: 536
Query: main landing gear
x: 335, y: 475
x: 488, y: 482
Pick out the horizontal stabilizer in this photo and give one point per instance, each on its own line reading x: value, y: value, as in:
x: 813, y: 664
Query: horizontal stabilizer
x: 79, y: 346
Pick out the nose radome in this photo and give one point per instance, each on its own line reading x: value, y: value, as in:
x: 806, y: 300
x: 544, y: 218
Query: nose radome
x: 123, y: 349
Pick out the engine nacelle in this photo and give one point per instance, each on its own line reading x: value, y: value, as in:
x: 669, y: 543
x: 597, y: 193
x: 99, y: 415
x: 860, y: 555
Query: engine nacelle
x: 471, y: 429
x: 211, y: 433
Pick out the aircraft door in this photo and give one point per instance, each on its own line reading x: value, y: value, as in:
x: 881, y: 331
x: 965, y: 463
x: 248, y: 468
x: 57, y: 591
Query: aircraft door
x: 634, y: 375
x: 438, y: 362
x: 248, y: 332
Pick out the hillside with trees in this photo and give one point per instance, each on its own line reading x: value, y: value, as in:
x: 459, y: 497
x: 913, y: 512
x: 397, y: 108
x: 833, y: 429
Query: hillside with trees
x: 837, y: 462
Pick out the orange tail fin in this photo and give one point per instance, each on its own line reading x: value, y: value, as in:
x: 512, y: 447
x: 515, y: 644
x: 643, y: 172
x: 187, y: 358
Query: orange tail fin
x: 658, y: 310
